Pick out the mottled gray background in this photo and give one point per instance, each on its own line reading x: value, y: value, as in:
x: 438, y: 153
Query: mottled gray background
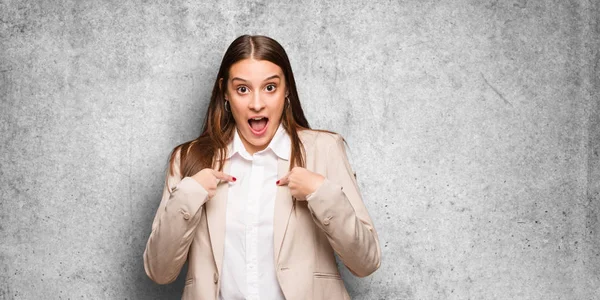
x: 473, y: 126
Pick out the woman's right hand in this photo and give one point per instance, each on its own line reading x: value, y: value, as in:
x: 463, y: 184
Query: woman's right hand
x: 209, y: 179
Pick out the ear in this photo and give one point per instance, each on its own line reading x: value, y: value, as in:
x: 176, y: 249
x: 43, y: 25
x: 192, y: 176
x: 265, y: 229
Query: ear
x: 221, y: 87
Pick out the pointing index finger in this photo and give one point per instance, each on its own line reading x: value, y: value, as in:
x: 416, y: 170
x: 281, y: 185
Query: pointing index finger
x: 224, y: 176
x: 283, y: 180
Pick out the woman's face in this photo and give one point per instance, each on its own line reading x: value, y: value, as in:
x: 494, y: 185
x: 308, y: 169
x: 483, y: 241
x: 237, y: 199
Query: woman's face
x: 256, y: 93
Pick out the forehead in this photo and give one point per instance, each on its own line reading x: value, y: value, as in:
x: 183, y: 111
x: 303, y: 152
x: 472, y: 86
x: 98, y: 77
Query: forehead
x: 254, y: 70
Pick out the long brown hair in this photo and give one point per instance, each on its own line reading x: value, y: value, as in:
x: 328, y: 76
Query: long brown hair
x: 210, y: 148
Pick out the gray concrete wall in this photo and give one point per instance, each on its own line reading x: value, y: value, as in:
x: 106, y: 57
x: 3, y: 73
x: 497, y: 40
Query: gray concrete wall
x: 474, y: 128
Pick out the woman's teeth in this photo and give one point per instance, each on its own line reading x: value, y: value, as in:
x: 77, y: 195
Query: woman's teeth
x: 258, y: 124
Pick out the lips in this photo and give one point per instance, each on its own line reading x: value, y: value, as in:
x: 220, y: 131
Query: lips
x: 258, y: 125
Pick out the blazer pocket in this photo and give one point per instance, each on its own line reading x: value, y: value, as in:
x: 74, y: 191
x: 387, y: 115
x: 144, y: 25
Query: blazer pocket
x: 328, y: 286
x: 327, y: 275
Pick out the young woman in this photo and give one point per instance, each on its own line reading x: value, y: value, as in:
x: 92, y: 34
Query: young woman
x: 259, y: 202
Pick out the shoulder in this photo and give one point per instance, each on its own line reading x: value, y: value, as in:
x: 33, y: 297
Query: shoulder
x: 175, y: 156
x: 320, y: 139
x: 178, y: 155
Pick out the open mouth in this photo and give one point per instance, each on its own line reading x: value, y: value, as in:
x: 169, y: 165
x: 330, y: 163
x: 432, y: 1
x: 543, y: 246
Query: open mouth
x: 258, y: 125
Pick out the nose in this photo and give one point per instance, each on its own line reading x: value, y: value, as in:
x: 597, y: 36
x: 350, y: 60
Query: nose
x: 256, y: 104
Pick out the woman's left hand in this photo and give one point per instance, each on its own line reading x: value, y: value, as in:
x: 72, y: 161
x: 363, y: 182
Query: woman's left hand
x: 301, y: 182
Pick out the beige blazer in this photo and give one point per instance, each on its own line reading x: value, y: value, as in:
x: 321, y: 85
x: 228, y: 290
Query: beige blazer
x: 188, y: 226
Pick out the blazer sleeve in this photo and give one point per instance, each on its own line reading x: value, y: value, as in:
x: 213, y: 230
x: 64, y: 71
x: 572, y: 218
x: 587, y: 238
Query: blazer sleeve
x: 174, y: 224
x: 338, y: 209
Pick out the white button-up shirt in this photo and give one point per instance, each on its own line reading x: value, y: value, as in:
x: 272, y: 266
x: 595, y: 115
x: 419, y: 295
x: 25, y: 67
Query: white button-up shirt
x: 248, y: 260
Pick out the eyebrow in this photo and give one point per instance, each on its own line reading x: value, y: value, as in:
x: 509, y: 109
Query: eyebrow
x: 268, y: 78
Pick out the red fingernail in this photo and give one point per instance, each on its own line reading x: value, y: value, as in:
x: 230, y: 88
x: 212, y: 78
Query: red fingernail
x: 234, y: 179
x: 277, y: 182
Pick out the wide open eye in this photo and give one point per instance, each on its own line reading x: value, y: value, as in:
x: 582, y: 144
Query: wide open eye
x: 270, y: 87
x: 242, y: 89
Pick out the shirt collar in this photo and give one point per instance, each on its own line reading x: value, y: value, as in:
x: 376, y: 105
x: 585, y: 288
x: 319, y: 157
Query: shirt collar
x: 280, y: 145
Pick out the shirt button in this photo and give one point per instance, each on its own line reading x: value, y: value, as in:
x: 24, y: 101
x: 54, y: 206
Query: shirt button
x: 186, y: 216
x: 326, y: 222
x: 216, y: 278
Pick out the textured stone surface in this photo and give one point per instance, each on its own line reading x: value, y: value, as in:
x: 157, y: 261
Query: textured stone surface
x: 474, y: 129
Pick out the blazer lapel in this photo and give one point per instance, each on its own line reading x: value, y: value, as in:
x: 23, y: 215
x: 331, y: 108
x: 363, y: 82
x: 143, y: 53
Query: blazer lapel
x: 216, y: 209
x: 283, y: 208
